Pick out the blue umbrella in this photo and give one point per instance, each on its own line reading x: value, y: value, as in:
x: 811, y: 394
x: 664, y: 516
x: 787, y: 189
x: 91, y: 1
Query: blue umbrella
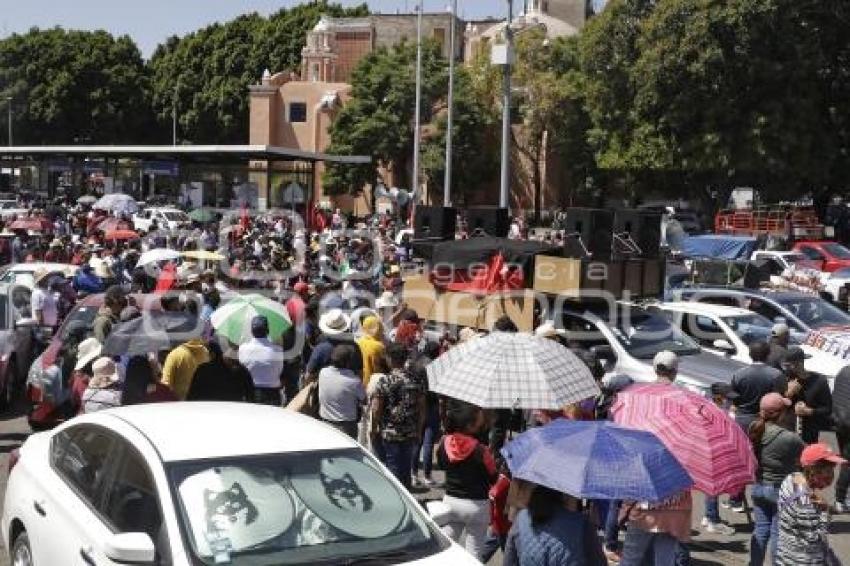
x: 597, y: 460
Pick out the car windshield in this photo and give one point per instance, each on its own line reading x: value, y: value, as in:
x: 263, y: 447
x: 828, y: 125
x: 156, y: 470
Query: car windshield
x: 325, y: 507
x: 749, y: 327
x: 814, y: 311
x: 837, y: 250
x: 644, y: 334
x: 176, y: 216
x: 80, y: 319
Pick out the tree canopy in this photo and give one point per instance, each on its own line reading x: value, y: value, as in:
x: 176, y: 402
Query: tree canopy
x: 208, y: 71
x: 74, y: 85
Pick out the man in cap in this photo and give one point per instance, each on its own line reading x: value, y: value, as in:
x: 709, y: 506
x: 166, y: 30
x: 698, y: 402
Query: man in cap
x: 109, y: 314
x: 809, y: 394
x: 43, y: 301
x: 264, y: 361
x: 780, y: 336
x: 666, y: 366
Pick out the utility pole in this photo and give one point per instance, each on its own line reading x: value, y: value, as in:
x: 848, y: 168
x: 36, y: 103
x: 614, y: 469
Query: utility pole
x: 418, y: 112
x: 174, y: 118
x: 447, y: 184
x: 9, y: 108
x: 506, y: 111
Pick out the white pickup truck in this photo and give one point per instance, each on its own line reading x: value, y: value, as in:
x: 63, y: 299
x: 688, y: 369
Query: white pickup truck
x: 166, y: 219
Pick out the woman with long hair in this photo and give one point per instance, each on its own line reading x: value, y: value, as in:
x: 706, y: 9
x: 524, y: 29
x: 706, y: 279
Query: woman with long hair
x: 141, y: 385
x: 777, y: 451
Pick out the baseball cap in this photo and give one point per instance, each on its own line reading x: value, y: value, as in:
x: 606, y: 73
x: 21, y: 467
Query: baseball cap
x: 665, y: 359
x: 773, y: 403
x: 779, y: 329
x: 259, y: 325
x: 820, y: 452
x: 796, y: 355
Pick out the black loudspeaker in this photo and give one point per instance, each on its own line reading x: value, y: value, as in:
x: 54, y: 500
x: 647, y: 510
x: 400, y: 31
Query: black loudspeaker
x: 434, y: 222
x: 637, y: 228
x: 588, y: 231
x: 488, y: 221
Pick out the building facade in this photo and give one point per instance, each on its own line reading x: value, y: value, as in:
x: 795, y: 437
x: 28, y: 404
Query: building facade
x: 296, y: 110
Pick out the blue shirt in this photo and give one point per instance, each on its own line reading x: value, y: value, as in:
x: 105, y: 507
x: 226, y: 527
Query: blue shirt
x: 565, y: 540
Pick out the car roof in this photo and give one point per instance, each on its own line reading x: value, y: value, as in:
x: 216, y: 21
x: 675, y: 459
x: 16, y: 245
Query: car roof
x: 765, y: 293
x: 48, y: 266
x: 192, y: 430
x: 704, y: 308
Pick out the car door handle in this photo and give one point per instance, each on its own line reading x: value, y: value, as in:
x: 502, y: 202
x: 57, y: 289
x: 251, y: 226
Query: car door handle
x: 39, y: 508
x: 85, y: 554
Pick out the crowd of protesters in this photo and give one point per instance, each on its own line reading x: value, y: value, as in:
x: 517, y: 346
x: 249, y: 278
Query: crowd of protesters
x: 355, y: 357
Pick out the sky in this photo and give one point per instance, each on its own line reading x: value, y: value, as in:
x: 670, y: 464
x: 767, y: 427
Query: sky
x: 149, y: 22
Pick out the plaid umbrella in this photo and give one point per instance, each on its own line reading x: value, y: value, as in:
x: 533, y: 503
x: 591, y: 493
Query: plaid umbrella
x: 511, y: 370
x: 112, y: 224
x: 710, y: 445
x: 121, y: 235
x: 233, y: 320
x: 597, y: 460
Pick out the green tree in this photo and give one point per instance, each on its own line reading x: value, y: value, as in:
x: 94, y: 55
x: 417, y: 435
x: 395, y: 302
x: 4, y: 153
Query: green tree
x: 208, y: 72
x: 378, y: 121
x: 72, y: 86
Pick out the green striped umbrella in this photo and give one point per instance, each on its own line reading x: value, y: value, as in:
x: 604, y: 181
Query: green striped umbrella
x: 233, y: 320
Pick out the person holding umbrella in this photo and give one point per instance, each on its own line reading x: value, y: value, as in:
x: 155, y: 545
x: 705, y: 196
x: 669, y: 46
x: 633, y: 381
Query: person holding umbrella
x: 552, y: 531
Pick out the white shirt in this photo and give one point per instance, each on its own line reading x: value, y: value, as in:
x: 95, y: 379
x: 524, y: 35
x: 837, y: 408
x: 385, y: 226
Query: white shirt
x: 44, y: 301
x: 263, y: 360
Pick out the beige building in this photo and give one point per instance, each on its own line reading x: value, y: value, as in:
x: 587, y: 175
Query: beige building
x: 296, y: 110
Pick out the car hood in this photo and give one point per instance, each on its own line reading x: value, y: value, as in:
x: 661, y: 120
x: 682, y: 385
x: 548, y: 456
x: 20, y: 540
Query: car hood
x: 708, y: 368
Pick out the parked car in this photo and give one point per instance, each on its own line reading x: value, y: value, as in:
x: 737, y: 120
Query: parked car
x: 193, y: 483
x: 828, y: 256
x: 629, y: 337
x: 836, y: 286
x: 728, y: 331
x: 22, y: 273
x: 802, y: 312
x: 786, y: 259
x: 166, y: 219
x: 15, y: 340
x: 10, y: 209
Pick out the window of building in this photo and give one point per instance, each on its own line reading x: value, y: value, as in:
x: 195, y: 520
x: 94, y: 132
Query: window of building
x: 314, y: 72
x: 297, y: 112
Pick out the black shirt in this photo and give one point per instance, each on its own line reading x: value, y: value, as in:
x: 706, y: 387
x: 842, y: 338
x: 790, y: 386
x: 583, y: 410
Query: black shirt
x: 751, y: 384
x: 816, y: 395
x: 776, y: 356
x: 214, y: 381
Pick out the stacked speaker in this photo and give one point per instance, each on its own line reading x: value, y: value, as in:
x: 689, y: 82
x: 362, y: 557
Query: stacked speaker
x: 440, y: 222
x: 602, y: 235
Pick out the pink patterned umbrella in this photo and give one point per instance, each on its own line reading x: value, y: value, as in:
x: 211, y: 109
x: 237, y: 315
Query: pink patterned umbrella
x: 706, y: 441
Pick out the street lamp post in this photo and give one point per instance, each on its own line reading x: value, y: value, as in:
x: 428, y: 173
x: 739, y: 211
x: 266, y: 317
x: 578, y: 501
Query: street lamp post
x: 174, y: 118
x: 506, y: 112
x: 9, y: 108
x: 417, y: 116
x: 447, y: 184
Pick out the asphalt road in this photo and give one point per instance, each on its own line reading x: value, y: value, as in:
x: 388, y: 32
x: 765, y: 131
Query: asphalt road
x: 707, y: 549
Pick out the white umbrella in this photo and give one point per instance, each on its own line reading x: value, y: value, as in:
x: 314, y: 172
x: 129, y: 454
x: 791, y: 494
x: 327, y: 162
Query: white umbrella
x: 512, y: 371
x: 87, y: 199
x: 157, y: 255
x: 117, y: 202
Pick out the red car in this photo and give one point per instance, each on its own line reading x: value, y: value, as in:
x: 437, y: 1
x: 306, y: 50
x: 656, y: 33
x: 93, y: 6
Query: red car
x: 830, y: 256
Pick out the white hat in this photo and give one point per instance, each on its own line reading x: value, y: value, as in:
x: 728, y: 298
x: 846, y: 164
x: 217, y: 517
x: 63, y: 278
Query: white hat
x: 546, y: 330
x: 386, y: 300
x: 104, y: 373
x: 780, y: 329
x: 665, y: 359
x: 467, y: 334
x: 334, y: 322
x: 89, y: 349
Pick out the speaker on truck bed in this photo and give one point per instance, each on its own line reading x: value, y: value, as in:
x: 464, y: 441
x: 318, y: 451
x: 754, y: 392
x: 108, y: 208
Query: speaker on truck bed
x: 488, y: 221
x: 637, y: 233
x: 588, y: 232
x: 434, y: 222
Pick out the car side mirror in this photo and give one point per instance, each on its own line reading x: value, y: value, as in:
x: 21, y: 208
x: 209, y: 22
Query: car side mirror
x: 130, y: 548
x: 724, y: 345
x: 604, y: 352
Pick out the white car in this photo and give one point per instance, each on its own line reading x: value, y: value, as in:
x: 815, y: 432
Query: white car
x: 786, y: 259
x: 837, y: 285
x: 166, y: 219
x: 727, y: 331
x: 210, y: 483
x: 22, y: 273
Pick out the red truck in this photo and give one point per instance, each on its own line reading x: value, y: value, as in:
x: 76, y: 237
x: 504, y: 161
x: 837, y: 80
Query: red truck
x: 830, y: 256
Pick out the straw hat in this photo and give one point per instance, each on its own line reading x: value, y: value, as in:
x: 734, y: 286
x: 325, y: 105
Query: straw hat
x: 104, y: 373
x: 334, y: 322
x: 89, y: 349
x: 386, y: 300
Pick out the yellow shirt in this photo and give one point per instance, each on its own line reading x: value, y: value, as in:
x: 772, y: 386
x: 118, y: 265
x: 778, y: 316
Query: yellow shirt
x: 372, y: 351
x: 180, y: 365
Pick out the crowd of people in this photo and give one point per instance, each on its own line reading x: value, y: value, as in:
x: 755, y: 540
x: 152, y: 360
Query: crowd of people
x: 355, y: 356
